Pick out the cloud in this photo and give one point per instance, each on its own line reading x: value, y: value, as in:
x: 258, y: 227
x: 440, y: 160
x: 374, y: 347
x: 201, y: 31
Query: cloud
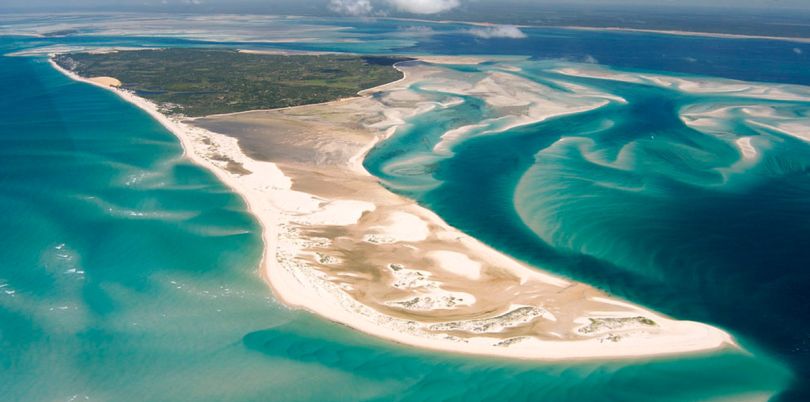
x: 354, y: 8
x: 797, y: 50
x: 498, y: 31
x: 418, y: 30
x: 424, y: 6
x: 358, y: 8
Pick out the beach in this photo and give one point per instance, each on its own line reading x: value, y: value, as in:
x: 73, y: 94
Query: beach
x: 339, y: 244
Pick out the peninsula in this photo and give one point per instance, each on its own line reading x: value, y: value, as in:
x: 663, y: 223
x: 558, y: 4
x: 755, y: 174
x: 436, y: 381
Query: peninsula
x: 341, y: 245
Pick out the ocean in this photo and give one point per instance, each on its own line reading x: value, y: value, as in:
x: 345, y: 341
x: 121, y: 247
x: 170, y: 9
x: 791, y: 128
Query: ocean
x: 129, y: 273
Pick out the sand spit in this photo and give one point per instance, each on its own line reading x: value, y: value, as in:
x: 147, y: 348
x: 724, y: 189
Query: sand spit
x: 797, y: 39
x: 340, y: 245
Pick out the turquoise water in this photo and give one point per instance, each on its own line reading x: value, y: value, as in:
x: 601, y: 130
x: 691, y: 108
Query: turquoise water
x: 127, y: 273
x: 631, y: 199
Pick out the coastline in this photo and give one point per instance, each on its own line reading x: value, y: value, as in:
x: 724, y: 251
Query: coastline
x: 271, y: 197
x: 796, y: 39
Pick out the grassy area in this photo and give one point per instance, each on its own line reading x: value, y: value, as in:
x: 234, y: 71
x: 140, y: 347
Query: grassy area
x: 199, y: 82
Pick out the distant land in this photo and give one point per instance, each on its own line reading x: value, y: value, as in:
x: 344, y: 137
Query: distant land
x: 199, y: 82
x: 760, y: 22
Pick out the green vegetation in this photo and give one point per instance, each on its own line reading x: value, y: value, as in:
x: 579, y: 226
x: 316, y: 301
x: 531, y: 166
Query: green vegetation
x: 612, y: 323
x: 199, y: 82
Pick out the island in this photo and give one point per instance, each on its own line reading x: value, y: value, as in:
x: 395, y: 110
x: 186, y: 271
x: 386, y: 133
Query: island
x: 289, y: 134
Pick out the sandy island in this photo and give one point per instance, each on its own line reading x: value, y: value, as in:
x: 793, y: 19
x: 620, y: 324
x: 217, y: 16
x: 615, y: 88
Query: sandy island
x: 340, y: 245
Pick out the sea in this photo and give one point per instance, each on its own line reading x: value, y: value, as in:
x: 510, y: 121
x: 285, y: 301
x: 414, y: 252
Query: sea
x: 129, y: 273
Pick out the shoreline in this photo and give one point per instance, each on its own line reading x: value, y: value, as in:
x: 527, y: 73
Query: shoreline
x: 282, y: 211
x: 719, y: 35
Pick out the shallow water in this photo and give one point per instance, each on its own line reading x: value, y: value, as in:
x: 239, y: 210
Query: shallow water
x: 631, y: 199
x: 128, y: 273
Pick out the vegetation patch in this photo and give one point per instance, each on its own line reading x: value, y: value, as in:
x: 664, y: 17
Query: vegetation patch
x: 200, y: 82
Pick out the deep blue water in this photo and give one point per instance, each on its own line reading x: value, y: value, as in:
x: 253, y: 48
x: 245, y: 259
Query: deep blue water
x: 749, y: 59
x: 635, y: 202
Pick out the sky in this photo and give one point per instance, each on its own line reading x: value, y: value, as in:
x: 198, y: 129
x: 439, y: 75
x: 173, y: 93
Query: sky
x: 366, y: 7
